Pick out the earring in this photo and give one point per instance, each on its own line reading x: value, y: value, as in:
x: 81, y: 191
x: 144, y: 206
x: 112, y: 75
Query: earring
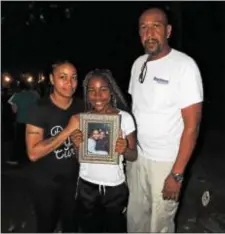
x: 114, y: 103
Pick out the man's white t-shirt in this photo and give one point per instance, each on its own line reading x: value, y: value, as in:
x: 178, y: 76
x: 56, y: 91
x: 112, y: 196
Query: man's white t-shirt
x: 171, y: 83
x: 107, y: 174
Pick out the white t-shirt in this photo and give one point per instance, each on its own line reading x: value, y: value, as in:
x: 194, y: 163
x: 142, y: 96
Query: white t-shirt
x: 107, y: 174
x: 92, y: 150
x: 171, y: 83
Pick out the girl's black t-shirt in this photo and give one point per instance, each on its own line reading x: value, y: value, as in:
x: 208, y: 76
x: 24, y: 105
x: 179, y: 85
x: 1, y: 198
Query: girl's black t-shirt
x: 63, y: 161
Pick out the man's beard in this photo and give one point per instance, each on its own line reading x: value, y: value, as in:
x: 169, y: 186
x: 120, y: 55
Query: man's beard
x: 156, y: 50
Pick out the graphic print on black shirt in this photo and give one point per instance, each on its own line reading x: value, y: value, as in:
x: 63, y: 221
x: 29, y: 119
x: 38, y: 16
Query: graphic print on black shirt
x: 66, y: 150
x: 53, y: 120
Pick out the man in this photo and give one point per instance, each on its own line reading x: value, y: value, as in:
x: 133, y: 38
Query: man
x: 20, y: 103
x: 102, y: 142
x: 167, y: 95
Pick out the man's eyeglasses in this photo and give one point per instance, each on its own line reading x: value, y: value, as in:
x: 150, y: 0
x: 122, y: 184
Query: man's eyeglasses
x: 144, y: 70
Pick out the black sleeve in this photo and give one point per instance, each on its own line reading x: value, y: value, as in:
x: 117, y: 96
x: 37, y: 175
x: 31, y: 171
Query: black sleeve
x: 36, y: 116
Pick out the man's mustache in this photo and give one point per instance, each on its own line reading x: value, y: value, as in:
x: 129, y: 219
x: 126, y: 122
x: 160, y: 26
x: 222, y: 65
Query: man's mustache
x: 151, y: 41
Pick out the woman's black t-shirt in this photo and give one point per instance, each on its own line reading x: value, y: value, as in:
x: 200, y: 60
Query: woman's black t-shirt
x: 62, y: 162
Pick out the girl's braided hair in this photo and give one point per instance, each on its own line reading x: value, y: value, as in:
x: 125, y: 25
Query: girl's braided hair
x: 117, y: 98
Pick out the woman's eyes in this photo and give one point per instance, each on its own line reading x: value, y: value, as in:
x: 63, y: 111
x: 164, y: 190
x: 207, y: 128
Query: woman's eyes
x: 63, y: 77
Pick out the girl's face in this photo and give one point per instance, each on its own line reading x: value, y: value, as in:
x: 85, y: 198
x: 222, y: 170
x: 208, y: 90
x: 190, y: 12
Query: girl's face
x: 64, y: 80
x: 95, y: 135
x: 99, y: 94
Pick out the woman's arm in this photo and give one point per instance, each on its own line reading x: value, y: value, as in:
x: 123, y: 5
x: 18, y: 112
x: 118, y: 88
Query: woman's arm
x: 37, y: 147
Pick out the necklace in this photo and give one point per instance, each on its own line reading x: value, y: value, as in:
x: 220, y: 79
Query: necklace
x: 109, y: 110
x: 61, y: 106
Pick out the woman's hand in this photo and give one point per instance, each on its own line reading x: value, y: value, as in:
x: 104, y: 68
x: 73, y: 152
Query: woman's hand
x: 72, y: 125
x: 121, y: 144
x: 77, y: 138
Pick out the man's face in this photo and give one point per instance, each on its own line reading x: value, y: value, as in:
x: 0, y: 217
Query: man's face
x: 154, y: 31
x: 101, y: 135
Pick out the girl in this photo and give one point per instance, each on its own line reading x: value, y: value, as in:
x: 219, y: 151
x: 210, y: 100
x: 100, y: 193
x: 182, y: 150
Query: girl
x: 54, y: 165
x: 102, y: 191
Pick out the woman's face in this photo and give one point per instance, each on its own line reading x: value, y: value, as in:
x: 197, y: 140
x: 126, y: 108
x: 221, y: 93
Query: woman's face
x: 64, y: 80
x: 95, y: 135
x: 99, y: 94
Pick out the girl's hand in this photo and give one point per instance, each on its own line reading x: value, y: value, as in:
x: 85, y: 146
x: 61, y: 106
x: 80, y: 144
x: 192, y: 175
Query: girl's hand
x: 121, y: 144
x: 77, y: 138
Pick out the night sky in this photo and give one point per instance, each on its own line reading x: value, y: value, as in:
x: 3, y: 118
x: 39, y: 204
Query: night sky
x: 105, y: 35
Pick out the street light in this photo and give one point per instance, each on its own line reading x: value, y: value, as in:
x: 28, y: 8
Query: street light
x: 6, y: 79
x: 30, y: 79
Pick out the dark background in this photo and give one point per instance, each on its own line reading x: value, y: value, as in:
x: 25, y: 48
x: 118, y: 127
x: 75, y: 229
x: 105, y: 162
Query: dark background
x: 105, y: 35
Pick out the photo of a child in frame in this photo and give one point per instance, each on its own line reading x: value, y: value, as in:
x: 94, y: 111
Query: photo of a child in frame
x: 98, y: 139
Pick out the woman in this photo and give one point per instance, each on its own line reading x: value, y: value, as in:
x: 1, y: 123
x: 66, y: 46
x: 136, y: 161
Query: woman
x: 54, y: 170
x: 102, y: 191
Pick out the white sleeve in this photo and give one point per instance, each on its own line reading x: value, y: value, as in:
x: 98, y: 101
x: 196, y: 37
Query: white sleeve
x: 92, y: 150
x: 91, y: 145
x: 130, y: 88
x: 129, y: 125
x: 190, y: 87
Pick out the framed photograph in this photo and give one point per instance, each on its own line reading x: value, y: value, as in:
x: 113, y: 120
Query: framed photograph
x: 100, y: 135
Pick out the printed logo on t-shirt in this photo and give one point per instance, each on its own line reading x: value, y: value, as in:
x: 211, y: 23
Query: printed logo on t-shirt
x: 161, y: 81
x: 65, y: 151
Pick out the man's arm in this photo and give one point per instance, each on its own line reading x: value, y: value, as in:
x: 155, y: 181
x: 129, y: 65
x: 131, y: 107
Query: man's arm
x: 191, y: 117
x: 14, y: 108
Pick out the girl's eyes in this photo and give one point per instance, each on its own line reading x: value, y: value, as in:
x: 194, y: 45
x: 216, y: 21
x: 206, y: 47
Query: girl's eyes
x: 104, y: 89
x: 101, y: 90
x: 63, y: 77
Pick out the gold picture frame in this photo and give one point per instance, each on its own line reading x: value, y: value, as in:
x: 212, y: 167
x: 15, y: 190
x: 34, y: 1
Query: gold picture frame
x: 96, y: 148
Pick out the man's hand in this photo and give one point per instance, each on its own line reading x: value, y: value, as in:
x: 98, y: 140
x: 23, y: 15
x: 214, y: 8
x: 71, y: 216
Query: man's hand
x: 171, y: 189
x: 77, y: 138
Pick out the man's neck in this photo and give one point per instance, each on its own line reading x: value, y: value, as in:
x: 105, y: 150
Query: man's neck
x: 162, y: 54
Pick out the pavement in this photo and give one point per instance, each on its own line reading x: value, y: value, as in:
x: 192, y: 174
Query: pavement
x: 206, y: 172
